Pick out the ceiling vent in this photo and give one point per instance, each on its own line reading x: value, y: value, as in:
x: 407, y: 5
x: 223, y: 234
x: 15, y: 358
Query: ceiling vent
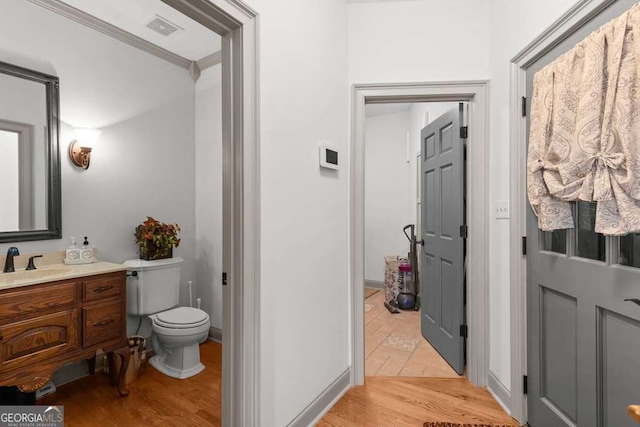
x: 163, y: 26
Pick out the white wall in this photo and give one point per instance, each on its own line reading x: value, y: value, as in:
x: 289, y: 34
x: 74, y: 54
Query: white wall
x: 429, y: 40
x: 304, y: 240
x: 522, y: 21
x: 385, y: 182
x: 208, y: 284
x: 144, y: 163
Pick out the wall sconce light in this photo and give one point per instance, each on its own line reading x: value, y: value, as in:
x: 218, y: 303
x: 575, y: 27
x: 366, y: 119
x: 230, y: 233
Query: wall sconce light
x: 80, y: 148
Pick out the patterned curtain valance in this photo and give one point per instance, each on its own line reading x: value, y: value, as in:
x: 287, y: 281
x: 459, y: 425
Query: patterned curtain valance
x: 584, y: 141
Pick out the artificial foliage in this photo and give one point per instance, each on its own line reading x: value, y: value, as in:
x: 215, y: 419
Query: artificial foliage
x: 156, y: 239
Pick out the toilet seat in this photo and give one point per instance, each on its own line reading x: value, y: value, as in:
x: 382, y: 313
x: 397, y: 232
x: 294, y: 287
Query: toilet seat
x: 181, y: 318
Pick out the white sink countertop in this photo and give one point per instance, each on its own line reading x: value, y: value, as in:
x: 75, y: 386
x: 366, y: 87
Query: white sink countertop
x: 54, y: 272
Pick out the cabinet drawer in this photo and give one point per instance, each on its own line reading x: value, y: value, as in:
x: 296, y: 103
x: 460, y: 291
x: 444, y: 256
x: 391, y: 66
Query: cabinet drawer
x: 102, y: 323
x: 24, y: 301
x: 102, y: 287
x: 30, y: 341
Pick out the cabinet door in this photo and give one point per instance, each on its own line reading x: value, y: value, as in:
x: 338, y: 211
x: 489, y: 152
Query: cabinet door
x: 102, y: 323
x: 37, y: 339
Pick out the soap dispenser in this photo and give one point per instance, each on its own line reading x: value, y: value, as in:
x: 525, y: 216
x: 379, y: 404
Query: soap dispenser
x: 86, y: 252
x: 73, y: 253
x: 83, y: 255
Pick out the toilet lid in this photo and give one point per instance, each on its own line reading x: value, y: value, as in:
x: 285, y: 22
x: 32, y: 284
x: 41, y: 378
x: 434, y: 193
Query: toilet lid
x: 181, y: 317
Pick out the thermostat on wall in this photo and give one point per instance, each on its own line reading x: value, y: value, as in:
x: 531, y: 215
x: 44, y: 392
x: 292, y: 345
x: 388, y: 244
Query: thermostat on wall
x: 329, y: 156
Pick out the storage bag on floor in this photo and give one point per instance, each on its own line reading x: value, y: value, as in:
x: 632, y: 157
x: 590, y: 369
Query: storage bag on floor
x: 391, y: 277
x: 136, y: 345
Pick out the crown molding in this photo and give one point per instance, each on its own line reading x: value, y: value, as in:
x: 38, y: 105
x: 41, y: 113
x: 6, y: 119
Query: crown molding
x: 580, y: 13
x: 210, y: 60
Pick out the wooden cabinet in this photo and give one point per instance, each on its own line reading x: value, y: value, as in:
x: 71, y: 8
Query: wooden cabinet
x: 102, y: 322
x: 45, y: 326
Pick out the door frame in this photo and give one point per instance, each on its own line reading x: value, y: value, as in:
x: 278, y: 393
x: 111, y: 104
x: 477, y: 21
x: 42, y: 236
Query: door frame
x: 477, y: 94
x: 237, y: 24
x: 567, y: 24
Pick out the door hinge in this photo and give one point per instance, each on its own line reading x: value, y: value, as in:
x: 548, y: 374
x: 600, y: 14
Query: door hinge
x: 524, y: 106
x: 464, y: 132
x: 464, y: 331
x: 524, y: 245
x: 525, y: 384
x: 464, y: 231
x: 224, y: 279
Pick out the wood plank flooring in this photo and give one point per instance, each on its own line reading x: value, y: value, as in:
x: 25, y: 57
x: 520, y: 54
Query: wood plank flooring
x: 394, y: 345
x: 158, y: 400
x: 154, y: 400
x: 401, y: 402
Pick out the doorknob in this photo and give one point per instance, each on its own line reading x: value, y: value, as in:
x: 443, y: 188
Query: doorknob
x: 633, y: 300
x: 634, y: 412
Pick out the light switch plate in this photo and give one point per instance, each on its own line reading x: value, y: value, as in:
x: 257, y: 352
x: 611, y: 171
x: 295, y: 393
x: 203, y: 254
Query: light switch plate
x: 502, y: 209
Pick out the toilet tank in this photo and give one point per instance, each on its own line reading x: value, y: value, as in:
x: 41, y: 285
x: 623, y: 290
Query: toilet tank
x: 154, y: 287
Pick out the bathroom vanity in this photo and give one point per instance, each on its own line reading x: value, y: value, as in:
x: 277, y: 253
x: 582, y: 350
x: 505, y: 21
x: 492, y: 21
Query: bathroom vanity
x: 59, y: 314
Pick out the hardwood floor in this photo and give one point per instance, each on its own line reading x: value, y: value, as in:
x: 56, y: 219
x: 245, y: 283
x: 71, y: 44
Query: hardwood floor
x: 397, y: 402
x: 154, y: 400
x: 158, y: 400
x: 401, y: 388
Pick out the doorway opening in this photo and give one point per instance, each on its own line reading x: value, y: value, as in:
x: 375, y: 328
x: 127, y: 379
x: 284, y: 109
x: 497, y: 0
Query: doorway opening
x: 236, y: 23
x: 476, y: 313
x: 238, y: 167
x: 401, y: 285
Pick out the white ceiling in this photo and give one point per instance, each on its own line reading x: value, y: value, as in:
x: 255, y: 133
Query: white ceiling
x: 194, y: 42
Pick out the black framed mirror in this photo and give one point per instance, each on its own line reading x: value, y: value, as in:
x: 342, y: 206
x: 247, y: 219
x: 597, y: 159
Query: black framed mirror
x: 30, y: 179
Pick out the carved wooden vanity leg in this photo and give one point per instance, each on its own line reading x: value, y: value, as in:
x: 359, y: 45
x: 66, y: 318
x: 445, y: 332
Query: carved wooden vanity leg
x: 34, y: 383
x: 124, y: 355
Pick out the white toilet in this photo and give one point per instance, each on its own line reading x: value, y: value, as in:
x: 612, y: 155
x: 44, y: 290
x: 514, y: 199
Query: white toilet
x: 153, y: 291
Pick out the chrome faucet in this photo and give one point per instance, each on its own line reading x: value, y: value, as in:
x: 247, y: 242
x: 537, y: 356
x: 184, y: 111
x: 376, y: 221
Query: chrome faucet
x: 8, y: 264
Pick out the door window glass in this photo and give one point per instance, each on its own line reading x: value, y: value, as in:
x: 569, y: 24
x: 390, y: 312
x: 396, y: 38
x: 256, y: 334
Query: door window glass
x: 555, y: 241
x: 630, y: 250
x: 589, y: 244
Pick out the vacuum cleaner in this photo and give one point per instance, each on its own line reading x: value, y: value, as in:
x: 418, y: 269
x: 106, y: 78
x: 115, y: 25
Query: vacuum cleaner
x: 408, y: 297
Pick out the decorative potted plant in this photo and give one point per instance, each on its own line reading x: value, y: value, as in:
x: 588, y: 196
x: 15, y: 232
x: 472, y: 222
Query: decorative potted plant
x: 156, y: 239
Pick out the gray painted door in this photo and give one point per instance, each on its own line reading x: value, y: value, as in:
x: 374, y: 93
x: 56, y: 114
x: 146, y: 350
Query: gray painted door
x: 583, y: 339
x: 442, y: 257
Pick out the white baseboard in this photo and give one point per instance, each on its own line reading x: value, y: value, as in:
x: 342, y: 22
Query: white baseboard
x: 215, y: 334
x: 325, y: 401
x: 70, y: 373
x: 499, y: 392
x: 374, y: 284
